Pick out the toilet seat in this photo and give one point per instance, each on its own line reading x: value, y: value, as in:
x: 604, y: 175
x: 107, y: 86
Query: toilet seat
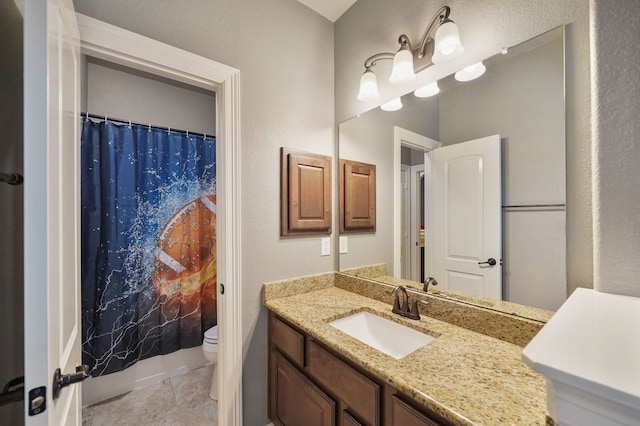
x: 211, y: 335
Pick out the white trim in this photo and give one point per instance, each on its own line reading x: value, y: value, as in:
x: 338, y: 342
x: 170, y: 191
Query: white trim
x: 403, y: 137
x: 415, y: 217
x: 123, y: 47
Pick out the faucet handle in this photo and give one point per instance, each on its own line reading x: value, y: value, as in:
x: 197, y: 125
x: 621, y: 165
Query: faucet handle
x: 413, y: 312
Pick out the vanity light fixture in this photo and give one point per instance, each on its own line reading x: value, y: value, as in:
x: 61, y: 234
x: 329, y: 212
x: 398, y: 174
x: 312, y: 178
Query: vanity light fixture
x: 392, y: 105
x: 407, y: 61
x: 430, y: 89
x: 471, y: 72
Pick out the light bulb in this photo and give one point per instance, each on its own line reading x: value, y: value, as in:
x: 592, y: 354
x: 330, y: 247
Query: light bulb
x: 368, y: 87
x: 471, y: 72
x: 392, y: 105
x: 447, y: 43
x: 430, y: 89
x: 402, y: 71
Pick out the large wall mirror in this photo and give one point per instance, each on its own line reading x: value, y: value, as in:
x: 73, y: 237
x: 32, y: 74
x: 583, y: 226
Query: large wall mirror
x: 520, y: 98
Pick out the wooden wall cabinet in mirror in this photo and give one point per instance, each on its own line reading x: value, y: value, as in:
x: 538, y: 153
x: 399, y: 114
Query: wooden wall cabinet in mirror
x: 357, y: 197
x: 305, y: 193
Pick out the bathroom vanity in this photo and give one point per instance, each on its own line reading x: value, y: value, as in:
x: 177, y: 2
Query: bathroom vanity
x: 322, y: 376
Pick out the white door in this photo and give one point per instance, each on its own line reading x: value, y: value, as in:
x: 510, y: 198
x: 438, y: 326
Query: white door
x: 466, y: 202
x: 52, y: 211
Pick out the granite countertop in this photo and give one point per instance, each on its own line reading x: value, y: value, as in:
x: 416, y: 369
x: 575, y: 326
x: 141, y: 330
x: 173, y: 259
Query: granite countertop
x: 466, y: 377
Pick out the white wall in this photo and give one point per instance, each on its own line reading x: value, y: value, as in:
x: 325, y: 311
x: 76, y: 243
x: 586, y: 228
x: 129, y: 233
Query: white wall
x: 486, y: 26
x: 284, y: 52
x: 11, y: 201
x: 615, y: 29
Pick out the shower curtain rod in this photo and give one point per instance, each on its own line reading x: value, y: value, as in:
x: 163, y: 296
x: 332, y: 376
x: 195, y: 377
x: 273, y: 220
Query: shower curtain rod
x: 11, y: 178
x: 129, y: 122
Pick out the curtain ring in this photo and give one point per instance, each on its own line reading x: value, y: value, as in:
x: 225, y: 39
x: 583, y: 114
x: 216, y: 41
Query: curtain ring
x: 149, y: 127
x: 129, y: 123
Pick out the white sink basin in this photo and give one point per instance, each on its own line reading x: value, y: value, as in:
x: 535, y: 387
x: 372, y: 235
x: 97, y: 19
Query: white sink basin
x: 387, y: 336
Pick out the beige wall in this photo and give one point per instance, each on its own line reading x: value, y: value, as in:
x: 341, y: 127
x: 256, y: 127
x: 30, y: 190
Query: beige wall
x: 485, y: 27
x: 284, y: 52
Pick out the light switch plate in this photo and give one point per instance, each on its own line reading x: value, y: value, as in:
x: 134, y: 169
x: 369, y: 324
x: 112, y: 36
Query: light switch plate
x: 344, y: 246
x: 325, y: 246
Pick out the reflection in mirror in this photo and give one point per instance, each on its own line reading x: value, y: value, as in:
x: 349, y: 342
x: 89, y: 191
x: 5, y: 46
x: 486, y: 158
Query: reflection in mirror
x: 521, y: 98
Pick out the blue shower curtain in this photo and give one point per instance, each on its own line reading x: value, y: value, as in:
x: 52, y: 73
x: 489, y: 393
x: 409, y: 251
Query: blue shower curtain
x: 148, y: 242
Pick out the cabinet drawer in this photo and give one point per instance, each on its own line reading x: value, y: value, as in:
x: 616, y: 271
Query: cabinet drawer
x: 289, y: 341
x: 360, y: 395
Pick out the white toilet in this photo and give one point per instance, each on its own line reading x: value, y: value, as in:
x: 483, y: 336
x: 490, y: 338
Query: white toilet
x: 210, y: 349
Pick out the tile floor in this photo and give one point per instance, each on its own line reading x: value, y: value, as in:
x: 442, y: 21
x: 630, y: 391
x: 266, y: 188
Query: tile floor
x: 179, y: 401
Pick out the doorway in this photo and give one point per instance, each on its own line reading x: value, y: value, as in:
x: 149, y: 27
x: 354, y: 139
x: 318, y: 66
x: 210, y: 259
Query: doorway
x: 110, y: 91
x: 415, y: 146
x: 106, y: 42
x: 413, y: 214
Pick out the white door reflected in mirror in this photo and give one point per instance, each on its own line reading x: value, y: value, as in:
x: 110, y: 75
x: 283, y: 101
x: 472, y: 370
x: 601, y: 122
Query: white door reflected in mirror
x: 466, y: 202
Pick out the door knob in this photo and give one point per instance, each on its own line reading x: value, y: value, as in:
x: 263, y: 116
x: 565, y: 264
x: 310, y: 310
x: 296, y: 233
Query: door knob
x: 61, y: 380
x: 491, y: 262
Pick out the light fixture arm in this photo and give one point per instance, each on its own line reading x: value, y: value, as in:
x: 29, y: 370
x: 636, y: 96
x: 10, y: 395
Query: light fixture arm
x: 439, y: 18
x: 371, y: 61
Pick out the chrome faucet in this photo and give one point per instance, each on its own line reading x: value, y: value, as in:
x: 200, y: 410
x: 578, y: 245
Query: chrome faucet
x: 404, y: 310
x: 429, y: 280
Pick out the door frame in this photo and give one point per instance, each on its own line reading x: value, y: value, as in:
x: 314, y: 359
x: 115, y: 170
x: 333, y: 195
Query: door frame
x: 403, y: 137
x: 104, y: 41
x: 414, y: 207
x: 405, y: 220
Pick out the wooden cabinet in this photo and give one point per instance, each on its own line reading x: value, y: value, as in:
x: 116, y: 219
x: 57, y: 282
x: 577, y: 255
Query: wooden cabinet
x: 297, y: 401
x: 311, y: 385
x: 357, y: 197
x: 356, y: 392
x: 305, y: 193
x: 402, y: 414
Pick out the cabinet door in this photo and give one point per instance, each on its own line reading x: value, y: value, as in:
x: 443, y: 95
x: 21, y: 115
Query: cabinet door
x: 358, y: 393
x: 298, y: 402
x: 349, y: 420
x: 404, y: 415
